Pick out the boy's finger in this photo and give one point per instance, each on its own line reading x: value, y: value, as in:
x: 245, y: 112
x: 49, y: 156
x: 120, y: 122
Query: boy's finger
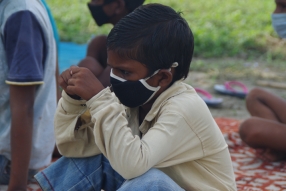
x: 63, y: 78
x: 62, y: 82
x: 71, y: 90
x: 71, y: 82
x: 74, y: 69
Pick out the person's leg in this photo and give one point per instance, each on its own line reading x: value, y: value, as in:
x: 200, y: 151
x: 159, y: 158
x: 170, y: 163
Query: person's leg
x: 265, y: 134
x: 4, y: 170
x: 111, y: 179
x: 91, y: 173
x: 261, y: 103
x: 152, y: 180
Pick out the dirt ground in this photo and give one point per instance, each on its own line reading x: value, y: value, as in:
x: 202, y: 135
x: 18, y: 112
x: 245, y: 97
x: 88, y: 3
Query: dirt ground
x: 232, y: 107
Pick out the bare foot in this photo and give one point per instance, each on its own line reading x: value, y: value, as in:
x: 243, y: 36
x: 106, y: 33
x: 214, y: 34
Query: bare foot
x: 271, y: 155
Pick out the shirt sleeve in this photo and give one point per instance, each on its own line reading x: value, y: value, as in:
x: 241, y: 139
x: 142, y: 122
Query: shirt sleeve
x: 72, y: 142
x: 25, y: 49
x: 131, y: 156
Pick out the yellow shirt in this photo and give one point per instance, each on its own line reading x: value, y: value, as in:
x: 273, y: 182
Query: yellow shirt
x: 179, y: 137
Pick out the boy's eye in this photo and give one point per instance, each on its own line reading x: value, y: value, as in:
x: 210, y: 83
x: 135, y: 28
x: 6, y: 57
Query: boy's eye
x: 124, y: 72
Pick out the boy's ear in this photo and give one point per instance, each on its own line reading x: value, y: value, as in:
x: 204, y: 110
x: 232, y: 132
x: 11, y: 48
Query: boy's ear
x: 166, y: 77
x: 120, y: 7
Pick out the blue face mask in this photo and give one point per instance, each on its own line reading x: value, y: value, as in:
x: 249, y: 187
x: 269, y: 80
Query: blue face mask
x: 279, y: 24
x: 134, y: 93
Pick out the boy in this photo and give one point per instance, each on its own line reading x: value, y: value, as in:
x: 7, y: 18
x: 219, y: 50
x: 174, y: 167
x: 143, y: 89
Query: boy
x: 103, y: 12
x: 155, y: 132
x: 28, y: 91
x: 266, y: 129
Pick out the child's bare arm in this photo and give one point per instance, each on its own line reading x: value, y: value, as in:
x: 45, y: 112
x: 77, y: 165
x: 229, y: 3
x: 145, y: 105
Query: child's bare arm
x: 263, y: 104
x: 22, y: 102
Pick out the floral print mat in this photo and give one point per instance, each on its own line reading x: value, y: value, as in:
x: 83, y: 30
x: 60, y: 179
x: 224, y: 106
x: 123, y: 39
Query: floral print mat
x: 252, y: 173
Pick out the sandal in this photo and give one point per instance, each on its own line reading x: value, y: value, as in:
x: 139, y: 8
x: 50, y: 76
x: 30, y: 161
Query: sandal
x: 208, y: 98
x: 230, y: 88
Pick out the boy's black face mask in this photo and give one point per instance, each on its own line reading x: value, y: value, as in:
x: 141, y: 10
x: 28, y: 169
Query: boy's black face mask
x: 98, y: 14
x: 132, y: 93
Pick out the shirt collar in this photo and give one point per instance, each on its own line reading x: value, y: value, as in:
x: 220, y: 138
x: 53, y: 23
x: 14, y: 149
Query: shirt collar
x: 176, y: 89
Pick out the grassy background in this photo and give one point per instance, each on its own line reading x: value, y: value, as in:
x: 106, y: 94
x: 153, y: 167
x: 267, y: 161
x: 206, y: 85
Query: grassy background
x: 240, y: 28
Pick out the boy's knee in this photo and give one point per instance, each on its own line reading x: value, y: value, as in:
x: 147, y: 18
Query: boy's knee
x: 154, y: 180
x: 87, y: 62
x: 155, y: 173
x: 253, y: 98
x: 254, y: 94
x: 93, y: 65
x: 157, y: 178
x: 249, y: 130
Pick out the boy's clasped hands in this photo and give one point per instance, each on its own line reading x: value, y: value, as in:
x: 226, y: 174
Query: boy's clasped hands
x: 80, y: 83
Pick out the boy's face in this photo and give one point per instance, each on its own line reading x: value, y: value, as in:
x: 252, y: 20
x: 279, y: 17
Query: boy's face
x: 97, y: 2
x: 280, y: 6
x: 107, y: 11
x: 100, y: 2
x: 130, y: 70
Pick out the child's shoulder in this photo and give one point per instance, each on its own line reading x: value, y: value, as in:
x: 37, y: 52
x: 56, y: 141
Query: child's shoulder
x: 186, y: 104
x: 181, y: 97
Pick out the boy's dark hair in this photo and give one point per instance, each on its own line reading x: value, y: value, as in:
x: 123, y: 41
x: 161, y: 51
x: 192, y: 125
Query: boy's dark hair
x: 156, y: 36
x: 133, y: 4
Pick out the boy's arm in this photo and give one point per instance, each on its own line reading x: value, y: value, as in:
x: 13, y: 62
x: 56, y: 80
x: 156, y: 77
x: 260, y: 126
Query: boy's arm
x: 74, y: 139
x: 131, y: 156
x: 21, y: 101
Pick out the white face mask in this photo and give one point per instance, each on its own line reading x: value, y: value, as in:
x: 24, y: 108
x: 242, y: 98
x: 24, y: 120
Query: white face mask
x: 279, y: 24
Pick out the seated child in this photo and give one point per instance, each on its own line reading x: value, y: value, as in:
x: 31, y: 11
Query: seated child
x: 104, y: 12
x: 153, y: 132
x: 266, y: 129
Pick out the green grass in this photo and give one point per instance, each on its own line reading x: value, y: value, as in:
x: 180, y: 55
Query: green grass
x: 232, y: 28
x: 235, y: 69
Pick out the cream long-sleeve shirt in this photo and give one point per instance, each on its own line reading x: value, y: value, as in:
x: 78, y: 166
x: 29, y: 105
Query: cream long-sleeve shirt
x: 179, y: 137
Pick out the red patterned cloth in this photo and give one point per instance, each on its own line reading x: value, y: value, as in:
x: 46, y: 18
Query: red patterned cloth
x: 251, y: 172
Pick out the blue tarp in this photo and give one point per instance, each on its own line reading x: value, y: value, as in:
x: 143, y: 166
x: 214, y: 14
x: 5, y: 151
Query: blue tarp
x: 70, y: 54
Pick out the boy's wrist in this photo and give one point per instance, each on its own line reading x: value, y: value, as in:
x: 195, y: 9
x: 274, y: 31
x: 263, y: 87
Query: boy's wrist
x: 76, y: 97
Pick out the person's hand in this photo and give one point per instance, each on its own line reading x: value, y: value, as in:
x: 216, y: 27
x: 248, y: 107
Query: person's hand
x: 63, y: 81
x: 82, y: 82
x: 280, y: 6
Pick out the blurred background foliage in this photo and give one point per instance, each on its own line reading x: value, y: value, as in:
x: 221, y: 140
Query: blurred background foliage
x: 232, y: 28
